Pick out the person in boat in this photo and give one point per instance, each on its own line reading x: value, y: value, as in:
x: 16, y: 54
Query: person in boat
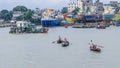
x: 93, y: 45
x: 65, y: 43
x: 59, y: 40
x: 90, y: 43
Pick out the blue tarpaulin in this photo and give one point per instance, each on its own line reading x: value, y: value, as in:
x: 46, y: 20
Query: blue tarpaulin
x: 90, y: 18
x: 51, y: 22
x: 108, y: 16
x: 117, y: 23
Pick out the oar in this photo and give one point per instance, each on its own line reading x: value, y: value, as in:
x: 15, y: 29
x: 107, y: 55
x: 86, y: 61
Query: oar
x: 53, y: 41
x: 101, y: 46
x: 97, y: 45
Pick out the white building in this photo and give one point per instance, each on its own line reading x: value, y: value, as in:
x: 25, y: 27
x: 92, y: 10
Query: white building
x: 84, y: 5
x: 88, y: 6
x: 74, y: 4
x: 88, y: 3
x: 22, y: 23
x: 17, y: 13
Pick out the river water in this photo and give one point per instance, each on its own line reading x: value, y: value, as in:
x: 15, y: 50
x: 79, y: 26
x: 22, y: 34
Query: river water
x: 38, y: 51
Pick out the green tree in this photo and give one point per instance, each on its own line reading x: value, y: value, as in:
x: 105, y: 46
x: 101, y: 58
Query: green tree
x: 76, y: 10
x: 64, y: 10
x: 6, y: 15
x: 35, y: 20
x: 20, y: 8
x: 19, y: 18
x: 4, y: 11
x: 28, y: 15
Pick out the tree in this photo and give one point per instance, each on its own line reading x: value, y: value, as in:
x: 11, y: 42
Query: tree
x: 19, y: 18
x: 28, y: 15
x: 64, y: 10
x: 35, y: 20
x: 6, y: 15
x: 76, y: 10
x: 20, y: 8
x: 4, y: 11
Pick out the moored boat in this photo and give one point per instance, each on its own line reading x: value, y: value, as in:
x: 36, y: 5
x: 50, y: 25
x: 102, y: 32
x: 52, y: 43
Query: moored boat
x: 100, y: 27
x: 43, y: 30
x: 77, y: 26
x: 95, y: 49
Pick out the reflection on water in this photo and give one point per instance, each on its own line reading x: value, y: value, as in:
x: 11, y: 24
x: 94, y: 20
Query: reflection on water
x: 38, y: 51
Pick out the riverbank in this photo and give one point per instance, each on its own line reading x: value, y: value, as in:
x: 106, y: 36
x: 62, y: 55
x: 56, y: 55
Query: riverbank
x: 82, y: 25
x: 5, y: 24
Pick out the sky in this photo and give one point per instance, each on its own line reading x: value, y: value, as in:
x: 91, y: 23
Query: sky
x: 32, y: 4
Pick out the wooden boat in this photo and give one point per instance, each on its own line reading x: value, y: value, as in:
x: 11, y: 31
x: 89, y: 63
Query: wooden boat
x: 59, y: 41
x: 95, y: 49
x: 77, y: 26
x: 43, y: 30
x: 27, y: 30
x: 100, y: 27
x: 65, y: 44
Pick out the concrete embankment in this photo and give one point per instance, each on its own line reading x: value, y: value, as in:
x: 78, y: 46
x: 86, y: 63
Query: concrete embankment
x: 5, y: 25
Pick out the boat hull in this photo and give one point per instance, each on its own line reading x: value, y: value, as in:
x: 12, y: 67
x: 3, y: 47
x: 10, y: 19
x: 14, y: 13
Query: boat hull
x: 95, y: 49
x: 65, y: 44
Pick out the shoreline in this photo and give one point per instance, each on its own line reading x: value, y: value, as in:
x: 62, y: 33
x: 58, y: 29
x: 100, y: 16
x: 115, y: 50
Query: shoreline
x: 78, y: 24
x: 5, y: 24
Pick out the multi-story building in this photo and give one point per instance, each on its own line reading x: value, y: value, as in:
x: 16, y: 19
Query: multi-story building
x: 74, y: 4
x: 98, y: 7
x: 111, y: 8
x: 84, y: 5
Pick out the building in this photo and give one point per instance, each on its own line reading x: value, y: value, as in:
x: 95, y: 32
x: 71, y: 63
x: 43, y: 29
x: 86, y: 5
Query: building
x: 74, y: 4
x: 114, y: 3
x: 111, y: 8
x: 85, y: 6
x: 17, y: 13
x: 99, y: 7
x: 88, y: 3
x: 88, y: 6
x: 22, y: 23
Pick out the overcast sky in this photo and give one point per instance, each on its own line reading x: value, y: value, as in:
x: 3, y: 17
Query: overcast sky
x: 32, y: 4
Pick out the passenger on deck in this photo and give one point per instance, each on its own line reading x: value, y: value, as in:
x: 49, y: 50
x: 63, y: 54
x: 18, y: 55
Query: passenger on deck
x: 92, y: 45
x: 65, y: 41
x: 59, y: 40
